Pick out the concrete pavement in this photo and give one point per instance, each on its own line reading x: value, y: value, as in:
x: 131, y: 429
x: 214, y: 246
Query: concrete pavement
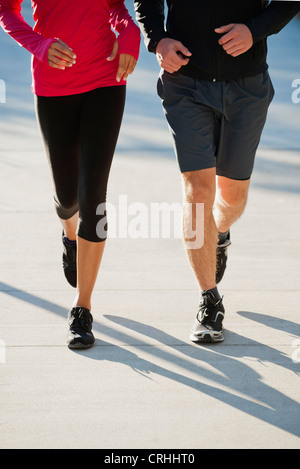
x: 144, y: 385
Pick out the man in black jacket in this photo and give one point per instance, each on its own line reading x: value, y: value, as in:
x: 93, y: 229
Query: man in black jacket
x: 216, y: 91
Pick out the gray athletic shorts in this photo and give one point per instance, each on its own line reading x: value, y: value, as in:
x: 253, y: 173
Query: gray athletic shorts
x: 216, y: 124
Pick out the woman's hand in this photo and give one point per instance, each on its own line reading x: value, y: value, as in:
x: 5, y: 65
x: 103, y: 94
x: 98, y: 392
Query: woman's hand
x: 60, y: 55
x: 127, y: 63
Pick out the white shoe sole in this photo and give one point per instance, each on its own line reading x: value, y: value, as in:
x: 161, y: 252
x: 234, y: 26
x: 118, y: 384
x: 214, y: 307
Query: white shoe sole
x: 206, y: 337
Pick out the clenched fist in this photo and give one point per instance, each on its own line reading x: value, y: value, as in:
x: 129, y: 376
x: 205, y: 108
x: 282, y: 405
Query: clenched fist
x: 236, y: 39
x: 172, y: 55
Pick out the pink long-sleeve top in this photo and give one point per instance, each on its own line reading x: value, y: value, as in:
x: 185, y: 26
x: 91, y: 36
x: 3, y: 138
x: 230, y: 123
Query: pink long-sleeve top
x: 85, y: 26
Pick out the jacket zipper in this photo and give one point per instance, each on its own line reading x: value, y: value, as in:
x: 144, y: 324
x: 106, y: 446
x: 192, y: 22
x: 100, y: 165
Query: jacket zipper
x: 214, y: 68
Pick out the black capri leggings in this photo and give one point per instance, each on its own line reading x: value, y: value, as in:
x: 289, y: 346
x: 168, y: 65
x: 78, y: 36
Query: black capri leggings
x: 80, y: 134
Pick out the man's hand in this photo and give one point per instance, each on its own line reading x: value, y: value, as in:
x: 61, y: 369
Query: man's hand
x: 236, y: 39
x: 60, y: 55
x: 127, y: 63
x: 168, y: 53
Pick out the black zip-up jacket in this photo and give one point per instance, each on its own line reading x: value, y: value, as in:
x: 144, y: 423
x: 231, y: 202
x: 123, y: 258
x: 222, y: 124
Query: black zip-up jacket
x: 193, y: 23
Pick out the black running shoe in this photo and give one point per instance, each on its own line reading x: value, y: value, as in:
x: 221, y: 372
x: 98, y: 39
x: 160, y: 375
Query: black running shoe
x: 222, y: 256
x: 80, y: 334
x: 69, y: 260
x: 208, y: 326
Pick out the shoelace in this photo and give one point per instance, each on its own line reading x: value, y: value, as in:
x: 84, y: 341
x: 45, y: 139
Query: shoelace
x: 80, y: 321
x: 204, y: 310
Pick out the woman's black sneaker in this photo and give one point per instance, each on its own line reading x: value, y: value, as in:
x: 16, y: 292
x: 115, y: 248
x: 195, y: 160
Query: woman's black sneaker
x: 69, y: 260
x: 80, y: 334
x: 222, y: 256
x: 208, y: 326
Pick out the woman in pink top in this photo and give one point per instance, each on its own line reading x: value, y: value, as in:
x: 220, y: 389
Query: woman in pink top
x: 79, y: 72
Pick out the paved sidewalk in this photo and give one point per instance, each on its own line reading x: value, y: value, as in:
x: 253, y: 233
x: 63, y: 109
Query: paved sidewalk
x: 145, y: 385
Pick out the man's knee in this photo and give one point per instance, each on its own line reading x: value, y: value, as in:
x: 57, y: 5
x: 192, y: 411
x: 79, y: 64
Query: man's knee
x: 233, y: 193
x: 199, y: 186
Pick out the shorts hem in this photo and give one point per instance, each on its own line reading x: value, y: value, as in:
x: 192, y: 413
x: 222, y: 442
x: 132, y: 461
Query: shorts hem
x: 91, y: 239
x: 234, y: 178
x: 195, y: 168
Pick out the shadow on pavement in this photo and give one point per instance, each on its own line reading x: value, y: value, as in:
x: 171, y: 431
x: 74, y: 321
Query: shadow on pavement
x: 270, y: 405
x: 246, y: 393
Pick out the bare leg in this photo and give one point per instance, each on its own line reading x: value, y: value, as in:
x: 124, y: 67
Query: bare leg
x: 230, y: 203
x: 89, y: 256
x: 200, y: 187
x: 70, y: 227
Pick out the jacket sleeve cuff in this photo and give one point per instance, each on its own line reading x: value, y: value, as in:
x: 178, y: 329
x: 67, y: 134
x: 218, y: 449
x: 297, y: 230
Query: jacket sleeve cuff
x: 129, y: 41
x: 152, y: 42
x: 41, y: 53
x: 256, y: 34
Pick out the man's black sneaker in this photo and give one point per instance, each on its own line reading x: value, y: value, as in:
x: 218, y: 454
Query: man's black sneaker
x: 222, y: 256
x: 208, y: 326
x: 80, y: 334
x: 69, y: 260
